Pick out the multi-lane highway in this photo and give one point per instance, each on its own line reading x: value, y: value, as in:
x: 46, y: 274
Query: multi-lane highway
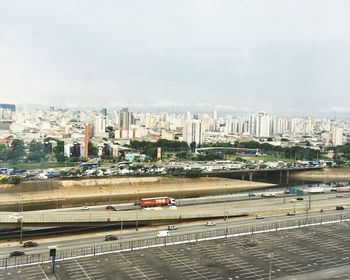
x: 74, y: 242
x: 274, y: 210
x: 206, y: 209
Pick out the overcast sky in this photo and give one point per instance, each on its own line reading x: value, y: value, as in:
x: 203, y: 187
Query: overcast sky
x: 285, y: 56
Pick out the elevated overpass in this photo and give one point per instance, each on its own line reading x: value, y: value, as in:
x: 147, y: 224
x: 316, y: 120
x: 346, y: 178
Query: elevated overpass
x: 86, y: 218
x: 251, y: 174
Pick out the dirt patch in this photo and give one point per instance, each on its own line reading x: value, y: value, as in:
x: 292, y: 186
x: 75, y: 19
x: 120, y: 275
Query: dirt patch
x: 326, y: 175
x: 69, y: 193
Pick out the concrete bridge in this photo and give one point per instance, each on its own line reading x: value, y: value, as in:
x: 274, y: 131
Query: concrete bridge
x: 252, y: 174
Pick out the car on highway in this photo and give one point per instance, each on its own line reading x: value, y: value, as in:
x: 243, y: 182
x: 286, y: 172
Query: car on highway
x: 251, y: 194
x: 172, y: 227
x: 28, y: 244
x: 210, y: 224
x: 259, y: 217
x: 110, y: 207
x: 339, y: 195
x: 111, y: 237
x: 291, y: 213
x: 16, y: 254
x: 339, y: 207
x: 163, y: 233
x: 15, y: 216
x: 85, y: 208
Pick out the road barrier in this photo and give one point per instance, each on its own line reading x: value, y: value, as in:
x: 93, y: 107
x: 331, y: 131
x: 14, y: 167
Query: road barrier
x: 123, y: 246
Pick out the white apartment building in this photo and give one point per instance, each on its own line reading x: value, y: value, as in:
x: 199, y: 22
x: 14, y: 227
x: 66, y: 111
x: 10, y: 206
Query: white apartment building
x: 192, y: 131
x: 337, y: 135
x: 260, y: 124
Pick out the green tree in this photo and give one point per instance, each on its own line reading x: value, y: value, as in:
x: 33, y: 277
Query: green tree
x: 194, y: 173
x: 3, y: 152
x: 193, y: 146
x: 16, y: 151
x: 92, y: 150
x: 59, y: 151
x: 36, y: 151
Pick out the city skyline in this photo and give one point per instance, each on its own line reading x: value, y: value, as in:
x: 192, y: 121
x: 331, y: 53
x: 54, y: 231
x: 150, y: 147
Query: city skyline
x: 185, y: 55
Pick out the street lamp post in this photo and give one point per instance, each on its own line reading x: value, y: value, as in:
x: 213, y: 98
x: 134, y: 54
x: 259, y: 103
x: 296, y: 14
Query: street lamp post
x: 21, y: 230
x: 225, y: 210
x: 294, y: 206
x: 309, y: 201
x: 270, y: 265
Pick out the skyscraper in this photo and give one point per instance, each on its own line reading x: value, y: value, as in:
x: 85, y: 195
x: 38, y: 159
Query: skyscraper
x: 125, y: 120
x: 192, y: 131
x: 259, y: 124
x: 87, y: 140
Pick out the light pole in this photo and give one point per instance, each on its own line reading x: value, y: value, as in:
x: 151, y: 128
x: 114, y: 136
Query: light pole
x: 309, y: 201
x: 225, y: 210
x: 21, y: 230
x: 294, y: 206
x: 270, y: 265
x: 121, y: 229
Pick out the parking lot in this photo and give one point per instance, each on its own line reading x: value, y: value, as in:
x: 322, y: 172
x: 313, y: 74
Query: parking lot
x: 297, y: 254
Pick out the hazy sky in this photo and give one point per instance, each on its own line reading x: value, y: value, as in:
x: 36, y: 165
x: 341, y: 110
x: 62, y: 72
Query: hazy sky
x: 280, y: 56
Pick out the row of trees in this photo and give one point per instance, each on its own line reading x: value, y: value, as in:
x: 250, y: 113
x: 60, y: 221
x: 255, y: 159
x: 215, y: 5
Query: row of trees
x: 150, y: 148
x: 36, y: 151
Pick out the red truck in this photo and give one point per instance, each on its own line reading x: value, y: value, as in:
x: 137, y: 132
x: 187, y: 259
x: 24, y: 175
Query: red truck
x: 157, y: 201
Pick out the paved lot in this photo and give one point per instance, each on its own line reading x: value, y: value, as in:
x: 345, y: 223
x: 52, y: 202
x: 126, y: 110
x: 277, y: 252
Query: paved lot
x: 319, y: 251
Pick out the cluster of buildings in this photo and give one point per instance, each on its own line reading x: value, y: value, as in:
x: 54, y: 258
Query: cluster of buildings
x: 110, y: 131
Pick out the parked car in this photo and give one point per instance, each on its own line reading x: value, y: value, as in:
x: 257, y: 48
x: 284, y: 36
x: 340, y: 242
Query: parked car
x: 29, y: 244
x: 259, y: 217
x: 172, y: 227
x: 291, y: 213
x: 111, y: 237
x: 251, y: 194
x: 85, y: 208
x: 300, y: 198
x: 339, y: 207
x: 110, y: 207
x: 339, y: 195
x: 210, y: 224
x: 16, y: 254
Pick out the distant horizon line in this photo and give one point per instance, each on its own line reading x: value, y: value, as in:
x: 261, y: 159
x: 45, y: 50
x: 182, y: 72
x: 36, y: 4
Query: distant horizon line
x: 184, y: 110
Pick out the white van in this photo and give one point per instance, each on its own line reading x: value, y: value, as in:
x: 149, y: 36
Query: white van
x: 163, y: 233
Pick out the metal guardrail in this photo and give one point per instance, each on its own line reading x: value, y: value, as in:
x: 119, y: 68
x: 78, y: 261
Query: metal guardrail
x: 120, y: 246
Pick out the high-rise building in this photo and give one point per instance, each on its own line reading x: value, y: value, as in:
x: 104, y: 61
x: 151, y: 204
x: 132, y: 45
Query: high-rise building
x: 104, y: 112
x: 99, y: 127
x: 259, y: 124
x: 125, y: 121
x: 192, y: 131
x: 87, y: 137
x: 10, y: 107
x: 337, y: 135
